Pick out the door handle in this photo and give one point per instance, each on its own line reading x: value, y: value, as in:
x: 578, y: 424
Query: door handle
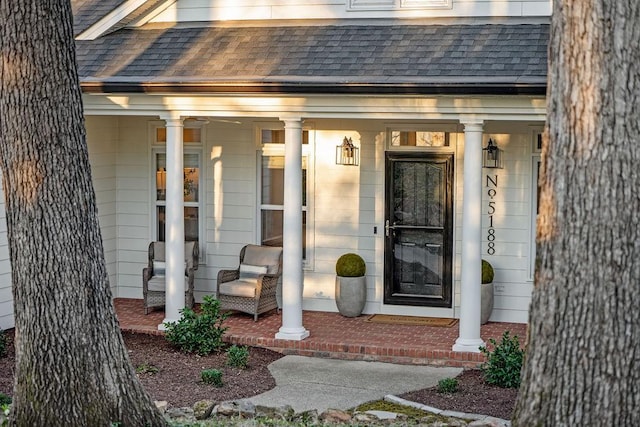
x: 388, y: 227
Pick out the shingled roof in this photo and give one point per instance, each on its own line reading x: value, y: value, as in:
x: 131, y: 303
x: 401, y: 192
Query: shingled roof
x: 394, y: 58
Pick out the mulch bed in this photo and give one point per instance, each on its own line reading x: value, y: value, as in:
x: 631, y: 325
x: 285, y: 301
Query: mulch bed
x: 178, y: 379
x: 473, y: 396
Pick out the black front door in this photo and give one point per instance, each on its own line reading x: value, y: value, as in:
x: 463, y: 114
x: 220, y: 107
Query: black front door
x: 419, y: 229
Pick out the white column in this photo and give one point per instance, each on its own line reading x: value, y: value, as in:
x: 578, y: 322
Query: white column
x: 292, y: 275
x: 469, y: 336
x: 174, y: 222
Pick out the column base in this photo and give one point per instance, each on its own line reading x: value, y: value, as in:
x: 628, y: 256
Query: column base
x: 468, y: 345
x: 162, y: 327
x: 292, y: 334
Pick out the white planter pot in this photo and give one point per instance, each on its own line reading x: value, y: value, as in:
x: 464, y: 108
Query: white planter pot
x: 351, y: 295
x: 486, y: 302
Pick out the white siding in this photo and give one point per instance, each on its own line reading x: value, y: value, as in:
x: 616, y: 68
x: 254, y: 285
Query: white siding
x: 102, y: 136
x: 345, y: 213
x: 133, y: 220
x: 6, y: 296
x: 210, y: 10
x: 511, y: 221
x: 230, y: 188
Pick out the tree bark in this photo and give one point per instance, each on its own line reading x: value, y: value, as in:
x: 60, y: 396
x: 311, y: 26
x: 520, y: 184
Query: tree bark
x: 583, y: 353
x: 72, y: 367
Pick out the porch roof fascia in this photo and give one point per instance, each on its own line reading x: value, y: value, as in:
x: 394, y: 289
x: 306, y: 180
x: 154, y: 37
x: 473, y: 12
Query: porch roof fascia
x: 515, y: 86
x: 322, y: 106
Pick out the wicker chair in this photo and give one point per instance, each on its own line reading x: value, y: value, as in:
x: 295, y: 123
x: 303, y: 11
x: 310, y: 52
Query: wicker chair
x: 252, y: 287
x: 153, y: 278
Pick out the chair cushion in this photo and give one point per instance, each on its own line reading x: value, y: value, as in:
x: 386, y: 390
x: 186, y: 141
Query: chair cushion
x: 239, y: 288
x: 157, y: 283
x: 159, y: 268
x: 250, y: 273
x: 263, y: 255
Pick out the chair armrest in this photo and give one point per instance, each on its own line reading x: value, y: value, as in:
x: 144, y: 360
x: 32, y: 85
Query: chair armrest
x: 228, y: 276
x: 191, y: 276
x: 146, y: 275
x: 267, y: 283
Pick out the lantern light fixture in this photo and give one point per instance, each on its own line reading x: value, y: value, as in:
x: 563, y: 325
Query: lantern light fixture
x: 492, y: 156
x: 347, y: 154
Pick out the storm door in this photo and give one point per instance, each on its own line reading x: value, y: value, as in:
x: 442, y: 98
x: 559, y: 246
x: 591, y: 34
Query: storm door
x: 419, y: 229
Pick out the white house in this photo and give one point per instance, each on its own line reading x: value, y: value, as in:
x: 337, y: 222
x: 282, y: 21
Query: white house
x: 216, y: 99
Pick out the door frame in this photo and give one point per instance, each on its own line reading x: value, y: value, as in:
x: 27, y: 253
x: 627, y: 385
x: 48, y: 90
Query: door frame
x: 447, y: 279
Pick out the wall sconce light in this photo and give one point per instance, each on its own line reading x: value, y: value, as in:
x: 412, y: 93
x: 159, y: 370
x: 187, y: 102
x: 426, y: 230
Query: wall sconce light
x: 492, y: 156
x: 347, y: 154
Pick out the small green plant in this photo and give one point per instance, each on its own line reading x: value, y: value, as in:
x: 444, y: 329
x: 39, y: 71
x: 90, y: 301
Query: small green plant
x: 146, y: 368
x: 212, y: 376
x: 448, y: 385
x: 238, y: 357
x: 350, y: 265
x: 487, y: 272
x: 504, y: 362
x: 199, y: 333
x: 3, y: 344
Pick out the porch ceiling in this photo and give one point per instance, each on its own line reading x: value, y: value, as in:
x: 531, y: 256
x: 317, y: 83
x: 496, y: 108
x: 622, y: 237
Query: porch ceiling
x: 402, y: 59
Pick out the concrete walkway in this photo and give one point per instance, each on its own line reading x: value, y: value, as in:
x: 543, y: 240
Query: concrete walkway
x: 307, y: 383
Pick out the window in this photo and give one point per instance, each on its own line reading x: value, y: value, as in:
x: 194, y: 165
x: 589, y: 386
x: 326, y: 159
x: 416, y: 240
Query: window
x: 419, y: 139
x: 535, y: 198
x: 271, y: 190
x: 398, y: 4
x: 192, y: 184
x: 422, y: 136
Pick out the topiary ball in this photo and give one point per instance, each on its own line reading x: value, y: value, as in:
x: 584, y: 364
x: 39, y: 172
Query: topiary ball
x: 487, y: 272
x: 350, y: 265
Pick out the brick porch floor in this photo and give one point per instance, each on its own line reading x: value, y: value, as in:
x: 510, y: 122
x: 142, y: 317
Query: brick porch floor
x: 338, y: 337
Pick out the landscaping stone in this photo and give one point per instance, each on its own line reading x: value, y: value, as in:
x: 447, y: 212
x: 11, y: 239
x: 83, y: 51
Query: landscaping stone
x: 282, y: 412
x: 383, y: 415
x: 335, y: 416
x: 161, y: 405
x: 242, y: 408
x: 203, y: 408
x: 180, y: 414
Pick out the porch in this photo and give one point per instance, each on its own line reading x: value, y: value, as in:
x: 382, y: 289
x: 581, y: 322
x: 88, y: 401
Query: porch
x: 335, y: 336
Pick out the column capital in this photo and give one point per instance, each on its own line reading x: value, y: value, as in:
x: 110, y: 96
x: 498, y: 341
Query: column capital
x: 292, y: 121
x: 472, y: 125
x: 172, y: 118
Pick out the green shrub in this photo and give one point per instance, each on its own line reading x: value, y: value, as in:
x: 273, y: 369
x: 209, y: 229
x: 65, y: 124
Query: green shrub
x: 3, y: 344
x: 448, y: 385
x: 487, y: 272
x: 212, y: 376
x: 504, y: 363
x: 238, y: 356
x: 350, y: 265
x: 199, y: 333
x: 4, y: 399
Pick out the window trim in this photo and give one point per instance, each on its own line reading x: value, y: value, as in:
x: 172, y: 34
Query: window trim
x: 536, y: 158
x: 278, y: 150
x: 190, y: 148
x: 366, y: 5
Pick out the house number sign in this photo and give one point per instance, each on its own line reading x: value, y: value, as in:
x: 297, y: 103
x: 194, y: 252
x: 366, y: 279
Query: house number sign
x: 492, y: 190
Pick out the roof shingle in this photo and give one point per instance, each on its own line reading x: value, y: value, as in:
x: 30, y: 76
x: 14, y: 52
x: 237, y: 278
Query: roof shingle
x: 328, y: 54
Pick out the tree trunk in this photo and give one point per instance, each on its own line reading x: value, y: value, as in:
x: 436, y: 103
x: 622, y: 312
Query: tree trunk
x: 583, y: 353
x: 72, y: 367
